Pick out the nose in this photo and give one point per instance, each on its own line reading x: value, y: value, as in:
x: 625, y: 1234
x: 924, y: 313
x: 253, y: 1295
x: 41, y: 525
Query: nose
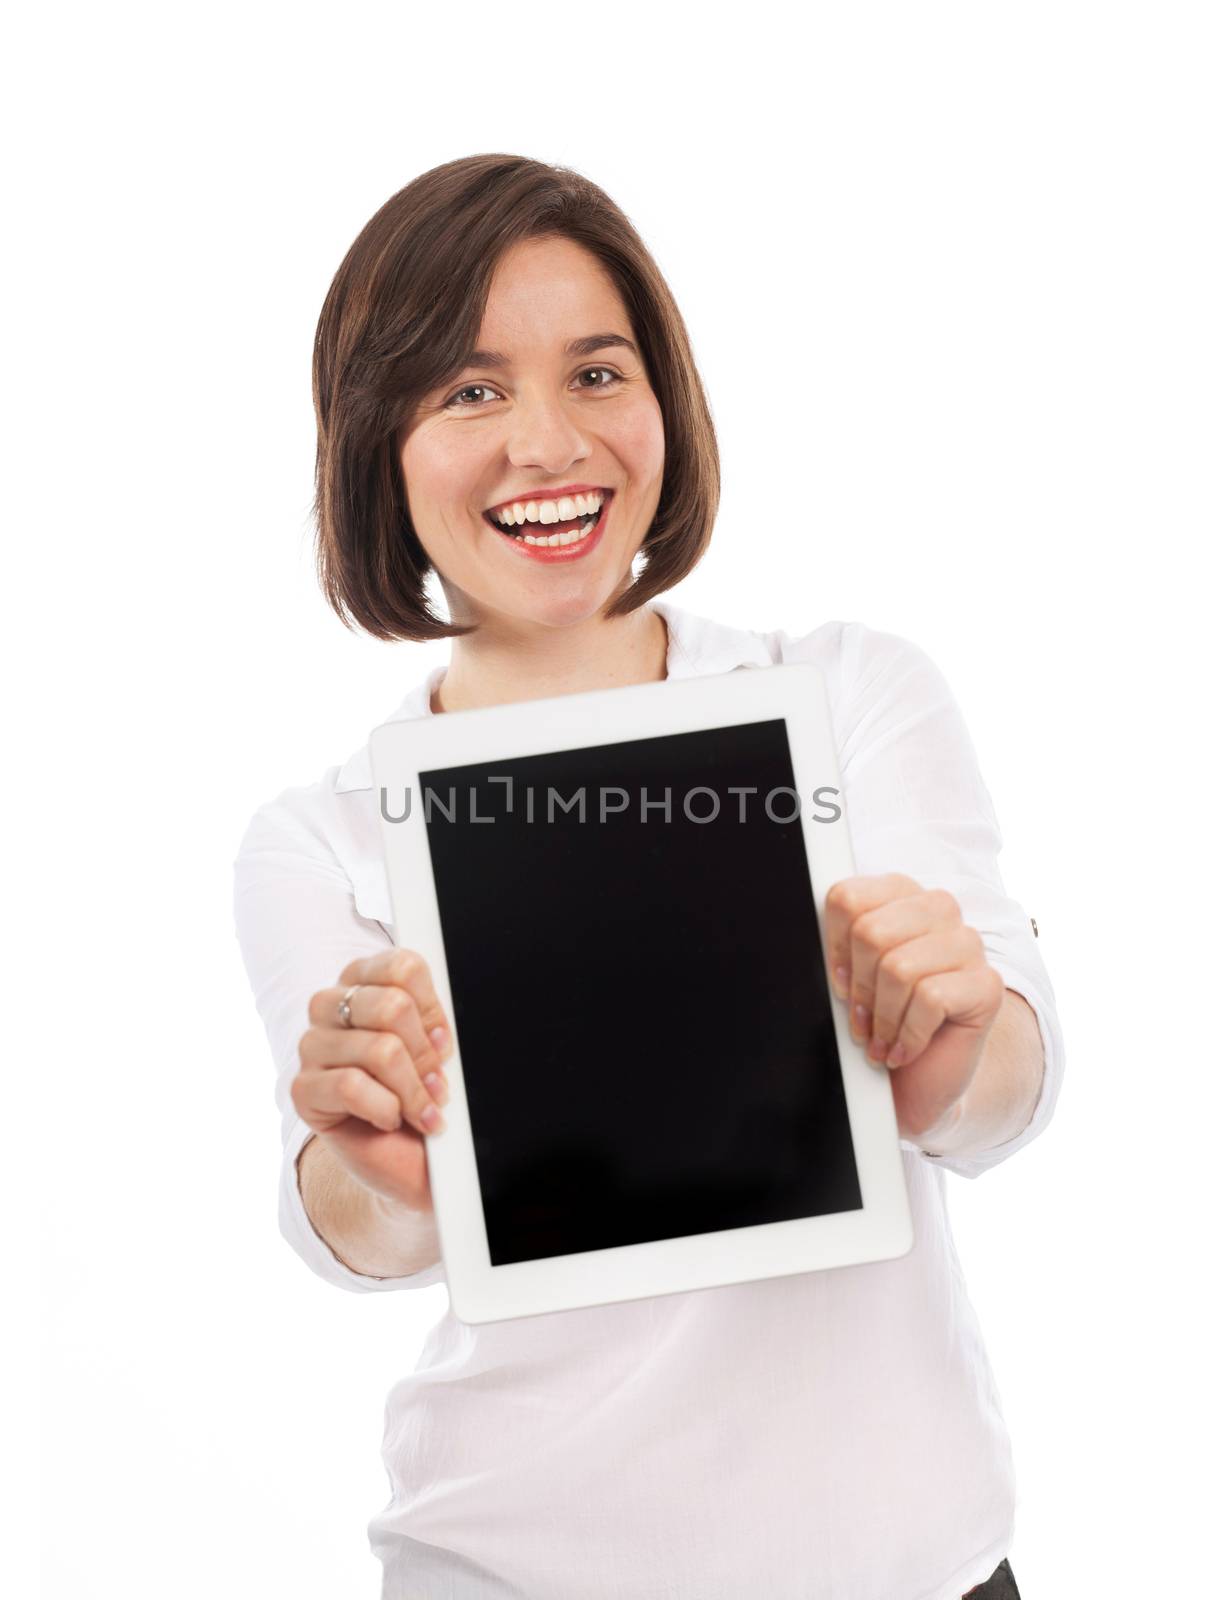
x: 544, y: 435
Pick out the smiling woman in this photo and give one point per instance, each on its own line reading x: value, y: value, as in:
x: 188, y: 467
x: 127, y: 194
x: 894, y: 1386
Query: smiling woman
x: 510, y: 442
x: 507, y: 404
x: 454, y: 375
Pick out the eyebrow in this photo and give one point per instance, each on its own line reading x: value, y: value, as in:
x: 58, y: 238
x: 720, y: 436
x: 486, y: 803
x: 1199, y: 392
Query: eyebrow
x: 575, y: 347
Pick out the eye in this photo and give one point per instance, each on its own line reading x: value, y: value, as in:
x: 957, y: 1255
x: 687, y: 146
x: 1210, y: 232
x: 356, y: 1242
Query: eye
x: 608, y: 371
x: 455, y: 403
x: 469, y: 388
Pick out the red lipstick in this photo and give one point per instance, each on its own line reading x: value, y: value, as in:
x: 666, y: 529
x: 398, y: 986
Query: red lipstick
x: 560, y: 552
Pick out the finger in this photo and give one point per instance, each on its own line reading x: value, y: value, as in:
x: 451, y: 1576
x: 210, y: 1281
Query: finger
x: 339, y: 1092
x: 880, y: 929
x: 384, y: 1057
x: 381, y: 1008
x: 969, y: 997
x: 903, y: 966
x: 403, y: 969
x: 845, y: 900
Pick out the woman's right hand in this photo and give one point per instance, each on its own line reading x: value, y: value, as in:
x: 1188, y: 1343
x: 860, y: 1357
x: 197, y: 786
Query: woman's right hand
x: 372, y: 1090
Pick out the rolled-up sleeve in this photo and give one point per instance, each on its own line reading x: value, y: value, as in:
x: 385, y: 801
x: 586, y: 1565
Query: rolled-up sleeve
x: 917, y: 804
x: 297, y: 927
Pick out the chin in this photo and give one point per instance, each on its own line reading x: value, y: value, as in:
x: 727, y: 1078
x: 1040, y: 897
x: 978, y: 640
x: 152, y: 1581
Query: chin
x: 551, y: 599
x: 563, y: 605
x: 563, y: 611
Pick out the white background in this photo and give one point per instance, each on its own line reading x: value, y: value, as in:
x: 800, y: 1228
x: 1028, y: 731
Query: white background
x: 947, y: 270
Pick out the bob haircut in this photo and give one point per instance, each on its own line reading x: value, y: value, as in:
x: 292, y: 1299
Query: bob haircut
x: 402, y: 316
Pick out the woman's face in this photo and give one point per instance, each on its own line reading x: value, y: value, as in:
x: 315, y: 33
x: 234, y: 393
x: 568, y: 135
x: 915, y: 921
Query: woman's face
x: 566, y: 409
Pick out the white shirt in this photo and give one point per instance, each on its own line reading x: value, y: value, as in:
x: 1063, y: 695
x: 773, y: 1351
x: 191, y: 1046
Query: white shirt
x: 833, y: 1434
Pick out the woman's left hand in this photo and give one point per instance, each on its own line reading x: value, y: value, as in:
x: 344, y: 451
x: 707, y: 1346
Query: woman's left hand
x: 922, y: 995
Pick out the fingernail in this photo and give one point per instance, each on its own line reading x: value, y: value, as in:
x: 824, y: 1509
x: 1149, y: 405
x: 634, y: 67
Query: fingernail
x: 432, y: 1119
x: 877, y: 1048
x: 438, y: 1037
x: 862, y: 1017
x: 437, y: 1088
x: 898, y: 1054
x: 843, y: 974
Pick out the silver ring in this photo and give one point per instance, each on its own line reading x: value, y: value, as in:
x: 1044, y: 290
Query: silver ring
x: 343, y: 1006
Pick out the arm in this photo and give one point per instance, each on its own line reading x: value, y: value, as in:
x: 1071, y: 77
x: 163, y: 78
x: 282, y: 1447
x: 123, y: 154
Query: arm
x: 369, y: 1233
x: 919, y: 806
x: 298, y: 926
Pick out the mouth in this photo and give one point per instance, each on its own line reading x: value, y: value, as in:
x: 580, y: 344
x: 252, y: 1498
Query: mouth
x: 538, y: 524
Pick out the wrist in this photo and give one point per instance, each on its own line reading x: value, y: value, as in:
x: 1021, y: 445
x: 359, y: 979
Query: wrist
x: 397, y: 1240
x: 943, y: 1136
x: 395, y: 1213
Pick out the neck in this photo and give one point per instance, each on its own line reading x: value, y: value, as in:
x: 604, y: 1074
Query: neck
x: 505, y: 661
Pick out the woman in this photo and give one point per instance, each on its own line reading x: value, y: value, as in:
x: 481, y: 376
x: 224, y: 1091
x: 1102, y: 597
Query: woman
x: 506, y: 399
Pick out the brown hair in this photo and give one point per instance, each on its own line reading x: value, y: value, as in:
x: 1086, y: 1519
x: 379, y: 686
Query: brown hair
x: 402, y: 315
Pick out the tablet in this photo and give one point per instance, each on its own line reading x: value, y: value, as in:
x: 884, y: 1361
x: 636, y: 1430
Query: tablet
x: 621, y: 898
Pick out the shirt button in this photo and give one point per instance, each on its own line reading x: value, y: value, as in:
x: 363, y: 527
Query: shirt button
x: 1035, y: 929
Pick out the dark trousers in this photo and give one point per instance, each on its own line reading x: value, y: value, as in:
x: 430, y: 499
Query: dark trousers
x: 1000, y: 1585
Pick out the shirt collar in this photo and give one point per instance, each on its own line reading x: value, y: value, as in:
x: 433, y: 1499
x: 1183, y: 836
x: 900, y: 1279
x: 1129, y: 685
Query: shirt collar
x: 698, y: 646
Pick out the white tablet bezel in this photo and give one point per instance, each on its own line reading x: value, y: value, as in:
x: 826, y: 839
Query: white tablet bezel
x: 481, y: 1292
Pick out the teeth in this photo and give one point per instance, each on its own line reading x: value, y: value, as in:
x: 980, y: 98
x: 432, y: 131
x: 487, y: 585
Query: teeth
x: 572, y: 536
x: 562, y: 510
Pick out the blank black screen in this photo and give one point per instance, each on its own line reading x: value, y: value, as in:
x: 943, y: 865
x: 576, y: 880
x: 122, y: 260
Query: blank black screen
x: 642, y: 1008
